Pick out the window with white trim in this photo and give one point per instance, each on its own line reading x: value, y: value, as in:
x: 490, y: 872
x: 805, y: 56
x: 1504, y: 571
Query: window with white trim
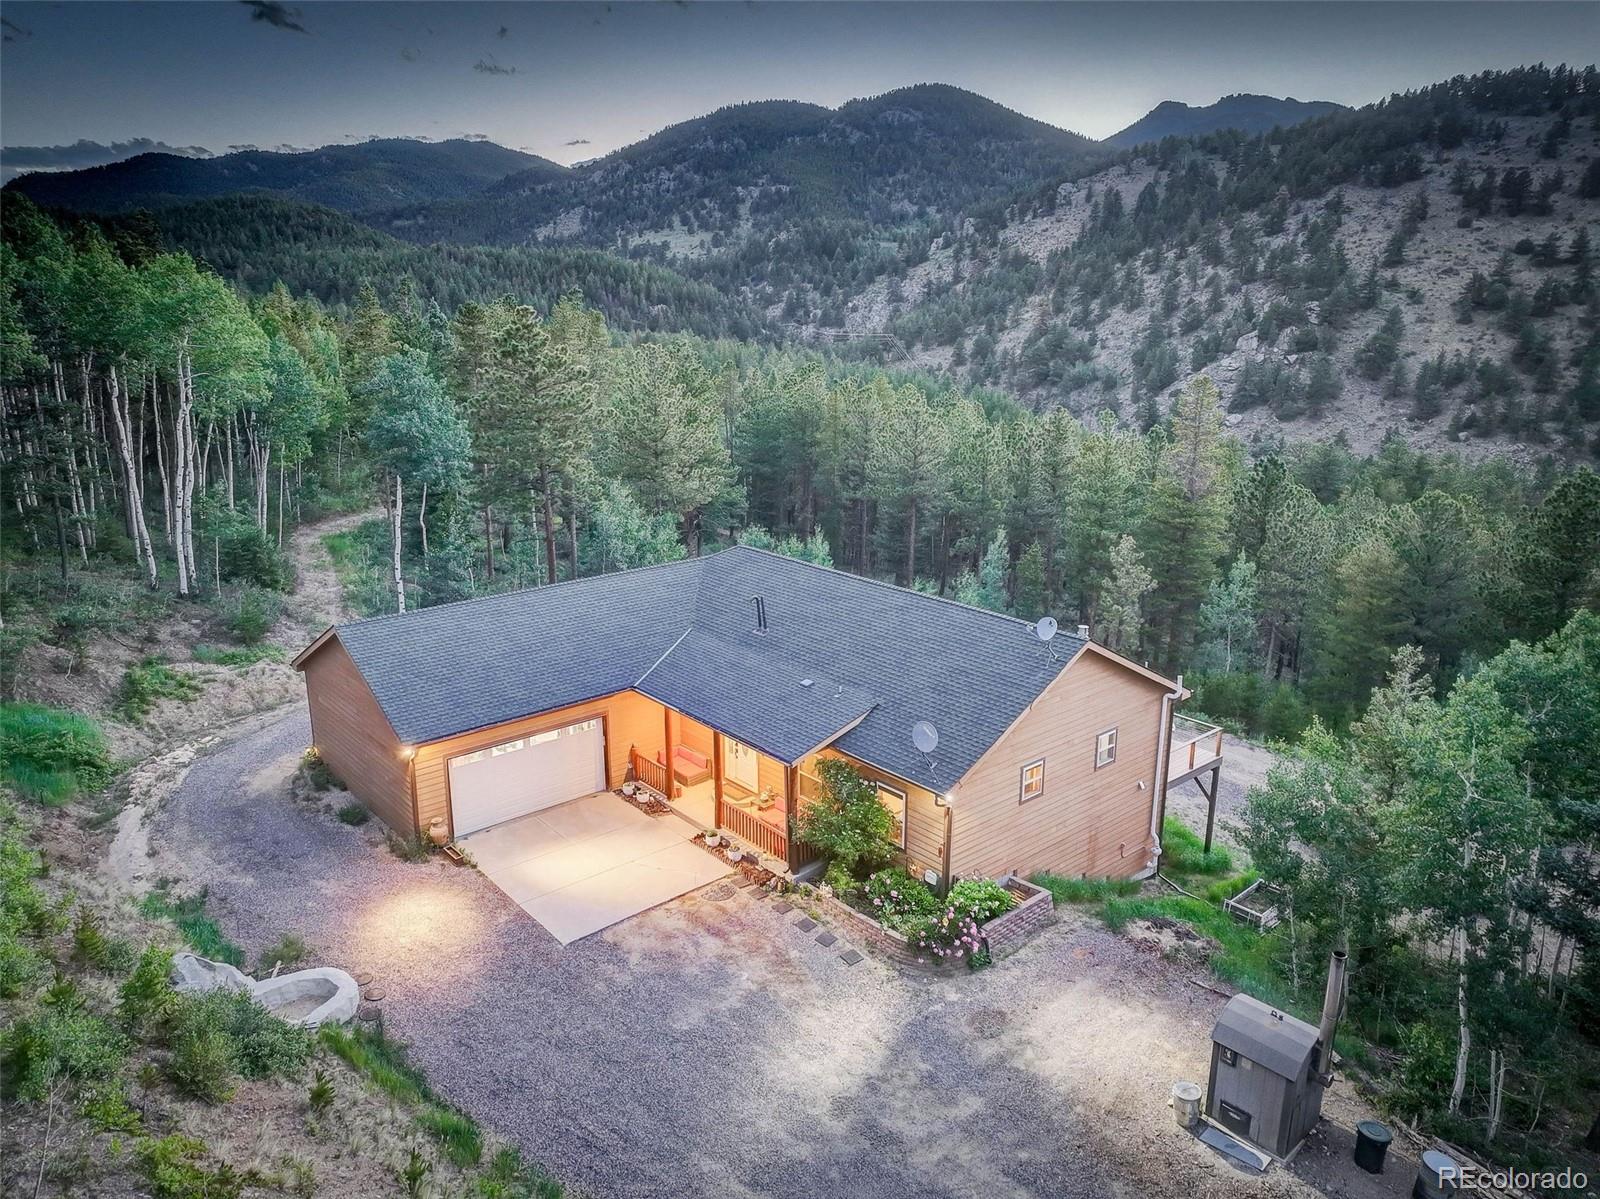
x: 895, y: 802
x: 1032, y: 780
x: 1105, y: 748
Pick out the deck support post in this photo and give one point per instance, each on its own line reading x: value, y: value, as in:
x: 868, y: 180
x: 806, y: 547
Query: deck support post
x: 1211, y: 800
x: 716, y: 777
x: 666, y: 751
x: 791, y: 794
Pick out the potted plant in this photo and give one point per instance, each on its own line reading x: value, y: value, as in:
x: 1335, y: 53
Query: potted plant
x: 713, y: 838
x: 629, y: 788
x: 437, y: 832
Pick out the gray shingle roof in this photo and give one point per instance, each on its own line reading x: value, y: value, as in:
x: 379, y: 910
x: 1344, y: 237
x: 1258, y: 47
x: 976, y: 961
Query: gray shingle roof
x: 684, y: 633
x: 1277, y: 1040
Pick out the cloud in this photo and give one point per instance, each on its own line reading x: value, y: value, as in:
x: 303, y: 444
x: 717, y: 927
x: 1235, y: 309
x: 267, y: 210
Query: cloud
x: 492, y: 68
x: 410, y: 53
x: 13, y: 31
x: 16, y: 160
x: 577, y: 141
x: 276, y: 14
x: 473, y: 137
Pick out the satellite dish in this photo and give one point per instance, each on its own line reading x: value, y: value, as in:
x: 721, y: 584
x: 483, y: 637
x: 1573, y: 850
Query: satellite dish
x: 1045, y: 628
x: 924, y: 736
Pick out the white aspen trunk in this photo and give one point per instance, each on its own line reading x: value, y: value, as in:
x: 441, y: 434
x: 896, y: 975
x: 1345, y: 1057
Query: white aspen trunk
x: 394, y: 535
x: 74, y: 494
x: 1497, y: 1091
x: 86, y: 407
x: 233, y: 437
x: 121, y: 423
x: 283, y: 491
x: 1458, y: 1088
x: 183, y: 448
x: 422, y: 520
x: 161, y: 460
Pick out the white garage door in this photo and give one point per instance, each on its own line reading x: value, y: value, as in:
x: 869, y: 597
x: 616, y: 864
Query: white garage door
x: 505, y: 781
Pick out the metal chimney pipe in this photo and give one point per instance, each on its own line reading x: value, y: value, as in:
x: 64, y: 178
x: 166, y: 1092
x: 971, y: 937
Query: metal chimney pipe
x: 1332, y: 1010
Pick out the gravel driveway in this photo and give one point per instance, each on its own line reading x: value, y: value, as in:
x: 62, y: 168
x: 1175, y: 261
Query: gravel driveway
x: 708, y: 1047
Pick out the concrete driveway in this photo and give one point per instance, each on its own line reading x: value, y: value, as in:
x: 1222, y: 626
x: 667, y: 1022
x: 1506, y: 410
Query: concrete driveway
x: 584, y: 865
x: 710, y: 1046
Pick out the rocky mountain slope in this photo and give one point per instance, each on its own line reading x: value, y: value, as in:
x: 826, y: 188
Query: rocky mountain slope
x: 382, y: 173
x: 1244, y: 112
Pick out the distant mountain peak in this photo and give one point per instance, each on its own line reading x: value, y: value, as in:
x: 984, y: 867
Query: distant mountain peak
x: 1244, y: 111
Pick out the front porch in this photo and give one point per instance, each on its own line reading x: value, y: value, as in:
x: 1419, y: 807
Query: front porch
x: 721, y: 783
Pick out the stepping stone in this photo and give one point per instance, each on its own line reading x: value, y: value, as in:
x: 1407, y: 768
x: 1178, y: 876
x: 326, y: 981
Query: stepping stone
x: 849, y: 957
x: 826, y: 938
x: 363, y: 979
x: 372, y: 994
x: 743, y: 881
x: 784, y: 907
x: 806, y: 924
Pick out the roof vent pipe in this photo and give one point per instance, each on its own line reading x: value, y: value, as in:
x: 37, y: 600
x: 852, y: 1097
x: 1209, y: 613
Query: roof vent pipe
x: 1083, y: 632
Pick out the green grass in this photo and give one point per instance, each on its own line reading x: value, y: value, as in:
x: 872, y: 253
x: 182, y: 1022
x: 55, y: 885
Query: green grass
x: 1245, y: 957
x: 218, y: 655
x: 354, y: 815
x: 1085, y: 890
x: 188, y: 912
x: 49, y: 755
x: 149, y: 681
x: 506, y: 1177
x: 357, y: 564
x: 458, y: 1135
x: 1183, y: 854
x: 382, y: 1061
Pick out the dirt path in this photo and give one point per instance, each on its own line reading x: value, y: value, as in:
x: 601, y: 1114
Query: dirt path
x: 234, y: 703
x: 318, y: 600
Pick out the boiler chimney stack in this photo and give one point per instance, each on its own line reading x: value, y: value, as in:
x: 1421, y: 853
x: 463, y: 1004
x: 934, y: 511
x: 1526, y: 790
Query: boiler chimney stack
x: 1332, y: 1010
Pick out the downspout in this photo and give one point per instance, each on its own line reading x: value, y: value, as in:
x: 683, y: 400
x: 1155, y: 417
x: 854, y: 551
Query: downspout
x: 1158, y: 801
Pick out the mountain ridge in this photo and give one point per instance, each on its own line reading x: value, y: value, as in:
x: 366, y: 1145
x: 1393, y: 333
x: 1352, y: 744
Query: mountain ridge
x: 379, y: 173
x: 1246, y: 112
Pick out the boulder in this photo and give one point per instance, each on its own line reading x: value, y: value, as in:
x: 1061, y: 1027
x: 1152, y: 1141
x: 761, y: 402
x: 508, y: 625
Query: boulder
x: 193, y: 973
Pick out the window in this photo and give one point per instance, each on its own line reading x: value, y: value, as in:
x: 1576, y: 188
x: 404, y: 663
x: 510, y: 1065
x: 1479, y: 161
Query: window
x: 761, y: 613
x: 895, y: 801
x: 1105, y: 748
x: 1032, y: 780
x: 510, y: 747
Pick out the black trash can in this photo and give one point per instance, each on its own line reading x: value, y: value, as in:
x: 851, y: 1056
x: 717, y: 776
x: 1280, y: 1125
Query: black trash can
x: 1372, y: 1145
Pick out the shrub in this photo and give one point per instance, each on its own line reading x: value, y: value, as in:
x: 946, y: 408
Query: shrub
x: 25, y: 914
x: 981, y: 899
x: 254, y: 613
x: 321, y: 1095
x: 506, y: 1177
x: 846, y: 821
x: 60, y: 1042
x: 839, y: 880
x: 202, y: 1063
x: 147, y: 995
x: 150, y: 680
x: 414, y: 1175
x: 91, y: 947
x: 216, y: 655
x: 49, y: 755
x: 456, y: 1133
x: 315, y: 769
x: 412, y: 847
x: 289, y: 951
x: 354, y: 815
x: 898, y: 899
x: 263, y: 1045
x: 172, y: 1165
x: 945, y: 934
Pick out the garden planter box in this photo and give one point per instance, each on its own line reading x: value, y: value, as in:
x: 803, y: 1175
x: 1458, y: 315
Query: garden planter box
x: 1034, y: 910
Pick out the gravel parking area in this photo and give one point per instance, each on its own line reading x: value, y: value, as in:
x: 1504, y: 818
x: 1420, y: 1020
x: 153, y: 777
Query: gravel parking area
x: 708, y: 1047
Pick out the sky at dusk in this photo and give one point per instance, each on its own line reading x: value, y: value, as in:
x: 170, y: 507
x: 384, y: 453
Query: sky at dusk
x: 573, y: 81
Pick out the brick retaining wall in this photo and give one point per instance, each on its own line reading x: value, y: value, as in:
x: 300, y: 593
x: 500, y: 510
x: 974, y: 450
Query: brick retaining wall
x: 1002, y: 935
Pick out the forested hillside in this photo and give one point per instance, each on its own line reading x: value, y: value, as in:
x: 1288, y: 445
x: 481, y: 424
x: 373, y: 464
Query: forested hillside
x: 381, y: 173
x: 257, y: 242
x: 1245, y: 113
x: 162, y: 433
x: 1425, y: 265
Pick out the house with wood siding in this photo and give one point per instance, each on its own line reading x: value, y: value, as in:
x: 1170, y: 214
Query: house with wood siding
x: 720, y: 682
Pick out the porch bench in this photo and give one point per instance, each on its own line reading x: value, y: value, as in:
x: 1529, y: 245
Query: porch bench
x: 689, y: 767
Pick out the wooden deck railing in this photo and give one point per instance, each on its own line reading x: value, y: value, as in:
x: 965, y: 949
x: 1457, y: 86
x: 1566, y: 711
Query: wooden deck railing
x: 1195, y: 745
x: 747, y: 826
x: 648, y: 771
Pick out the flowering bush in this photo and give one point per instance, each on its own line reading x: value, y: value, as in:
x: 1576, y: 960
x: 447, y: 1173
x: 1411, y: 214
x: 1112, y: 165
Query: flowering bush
x: 981, y: 898
x: 948, y: 933
x: 898, y: 899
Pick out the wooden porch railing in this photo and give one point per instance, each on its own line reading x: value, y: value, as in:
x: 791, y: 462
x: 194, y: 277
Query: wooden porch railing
x: 747, y: 826
x: 648, y: 771
x: 1195, y: 745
